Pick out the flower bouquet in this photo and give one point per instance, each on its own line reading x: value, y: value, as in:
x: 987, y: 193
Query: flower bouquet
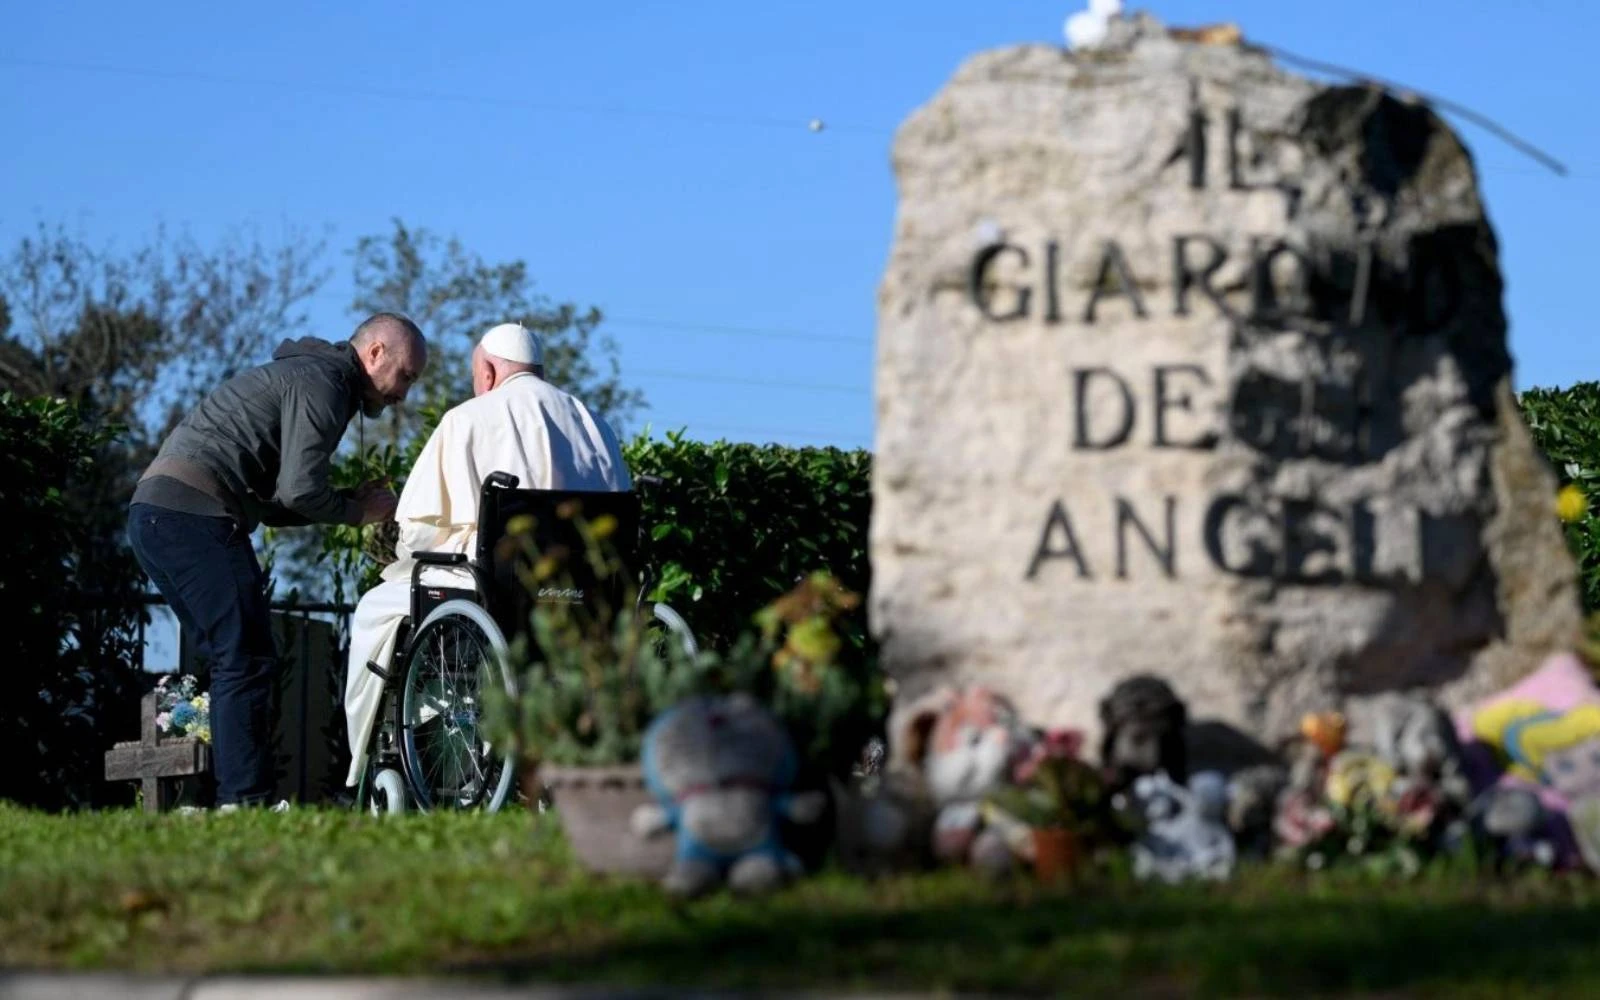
x: 183, y: 710
x: 1350, y: 805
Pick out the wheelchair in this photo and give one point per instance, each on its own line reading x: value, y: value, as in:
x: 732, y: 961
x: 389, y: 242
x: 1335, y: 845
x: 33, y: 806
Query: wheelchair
x: 427, y: 752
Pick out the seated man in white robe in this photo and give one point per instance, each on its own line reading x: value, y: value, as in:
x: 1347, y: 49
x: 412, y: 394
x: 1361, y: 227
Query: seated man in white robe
x: 517, y: 423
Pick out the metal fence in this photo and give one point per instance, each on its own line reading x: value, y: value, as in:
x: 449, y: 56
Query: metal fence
x: 187, y: 657
x: 312, y: 638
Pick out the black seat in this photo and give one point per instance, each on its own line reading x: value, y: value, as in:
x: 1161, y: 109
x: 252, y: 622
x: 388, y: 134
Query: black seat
x: 547, y: 523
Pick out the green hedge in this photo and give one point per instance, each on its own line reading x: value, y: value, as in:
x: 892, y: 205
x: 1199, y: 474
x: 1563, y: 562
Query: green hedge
x: 1565, y: 424
x: 67, y: 584
x: 731, y: 528
x: 735, y: 525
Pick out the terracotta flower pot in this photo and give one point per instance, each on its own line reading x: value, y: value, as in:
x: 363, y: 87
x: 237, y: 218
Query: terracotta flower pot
x: 1056, y: 853
x: 596, y: 807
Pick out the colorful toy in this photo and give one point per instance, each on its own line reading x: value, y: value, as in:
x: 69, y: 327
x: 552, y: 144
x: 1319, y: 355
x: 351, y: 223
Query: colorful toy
x: 964, y: 742
x: 721, y: 769
x: 1185, y: 836
x: 1543, y: 735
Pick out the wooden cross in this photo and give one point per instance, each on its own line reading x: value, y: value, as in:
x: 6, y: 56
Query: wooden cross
x: 153, y: 758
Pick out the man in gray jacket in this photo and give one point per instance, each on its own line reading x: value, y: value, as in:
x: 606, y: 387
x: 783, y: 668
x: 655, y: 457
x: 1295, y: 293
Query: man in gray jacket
x: 258, y: 450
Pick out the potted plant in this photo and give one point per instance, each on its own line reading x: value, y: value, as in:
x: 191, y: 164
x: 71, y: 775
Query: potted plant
x: 584, y: 700
x: 603, y: 673
x: 805, y: 660
x: 1055, y: 806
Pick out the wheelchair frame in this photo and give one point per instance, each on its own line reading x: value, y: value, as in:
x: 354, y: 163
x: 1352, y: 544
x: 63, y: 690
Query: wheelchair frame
x: 491, y: 611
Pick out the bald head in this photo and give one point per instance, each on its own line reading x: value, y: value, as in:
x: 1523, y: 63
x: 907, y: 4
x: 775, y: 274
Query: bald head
x: 389, y: 328
x: 393, y: 355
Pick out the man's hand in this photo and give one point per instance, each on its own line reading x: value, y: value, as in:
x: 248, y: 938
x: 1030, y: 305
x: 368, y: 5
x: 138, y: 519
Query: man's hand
x: 376, y: 500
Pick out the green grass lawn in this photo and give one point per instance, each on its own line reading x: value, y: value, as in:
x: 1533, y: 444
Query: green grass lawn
x: 315, y: 891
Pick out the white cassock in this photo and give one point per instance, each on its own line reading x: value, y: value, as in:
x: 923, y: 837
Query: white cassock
x: 525, y: 426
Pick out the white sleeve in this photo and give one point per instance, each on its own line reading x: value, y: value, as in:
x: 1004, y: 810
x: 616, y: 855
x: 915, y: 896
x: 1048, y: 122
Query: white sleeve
x: 438, y: 509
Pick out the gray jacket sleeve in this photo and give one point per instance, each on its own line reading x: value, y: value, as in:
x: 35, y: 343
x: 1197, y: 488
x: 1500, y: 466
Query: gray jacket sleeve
x: 311, y: 430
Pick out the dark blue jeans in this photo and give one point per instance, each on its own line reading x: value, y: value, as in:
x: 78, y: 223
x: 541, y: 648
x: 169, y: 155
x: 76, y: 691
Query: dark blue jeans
x: 206, y: 568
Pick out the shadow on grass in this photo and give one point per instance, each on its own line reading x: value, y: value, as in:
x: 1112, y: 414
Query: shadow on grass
x: 1195, y: 941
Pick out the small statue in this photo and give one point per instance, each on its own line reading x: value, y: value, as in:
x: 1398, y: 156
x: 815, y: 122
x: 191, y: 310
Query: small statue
x: 1184, y: 836
x: 1144, y: 726
x: 721, y: 769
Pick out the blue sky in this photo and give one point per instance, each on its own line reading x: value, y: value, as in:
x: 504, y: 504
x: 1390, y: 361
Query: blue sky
x: 655, y: 159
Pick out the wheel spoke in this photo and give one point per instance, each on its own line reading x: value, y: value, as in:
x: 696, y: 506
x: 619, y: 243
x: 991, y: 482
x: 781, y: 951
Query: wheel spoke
x: 448, y: 671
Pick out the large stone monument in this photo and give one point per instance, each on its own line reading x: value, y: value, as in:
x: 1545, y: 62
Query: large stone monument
x: 1191, y: 366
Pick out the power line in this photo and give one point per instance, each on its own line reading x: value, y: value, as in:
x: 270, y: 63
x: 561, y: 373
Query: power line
x: 440, y: 97
x: 813, y: 124
x: 694, y: 425
x: 1481, y: 120
x: 741, y: 380
x: 759, y: 332
x: 741, y: 331
x: 608, y: 321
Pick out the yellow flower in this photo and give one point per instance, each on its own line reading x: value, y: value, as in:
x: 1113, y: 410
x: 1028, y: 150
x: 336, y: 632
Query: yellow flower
x: 1571, y: 504
x: 545, y: 568
x: 203, y: 734
x: 603, y: 526
x: 814, y: 640
x: 1352, y: 776
x: 198, y: 703
x: 522, y: 524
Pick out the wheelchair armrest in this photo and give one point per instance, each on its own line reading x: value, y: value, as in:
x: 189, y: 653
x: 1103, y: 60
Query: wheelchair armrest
x: 439, y: 558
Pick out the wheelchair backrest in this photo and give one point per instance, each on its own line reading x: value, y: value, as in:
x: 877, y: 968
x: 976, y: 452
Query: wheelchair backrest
x: 517, y: 528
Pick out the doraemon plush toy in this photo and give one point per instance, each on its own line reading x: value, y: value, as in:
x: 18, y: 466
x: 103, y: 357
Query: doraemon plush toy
x: 721, y: 770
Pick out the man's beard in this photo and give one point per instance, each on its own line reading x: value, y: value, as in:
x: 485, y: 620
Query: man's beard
x: 373, y: 408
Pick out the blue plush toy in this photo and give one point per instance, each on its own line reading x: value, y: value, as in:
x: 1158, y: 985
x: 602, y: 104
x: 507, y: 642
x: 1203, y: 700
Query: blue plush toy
x: 720, y: 769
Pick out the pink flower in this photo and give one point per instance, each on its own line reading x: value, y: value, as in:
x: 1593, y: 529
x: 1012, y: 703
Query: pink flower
x: 1027, y: 765
x: 1416, y: 810
x: 1063, y: 744
x: 1301, y: 820
x: 164, y: 721
x: 1054, y: 744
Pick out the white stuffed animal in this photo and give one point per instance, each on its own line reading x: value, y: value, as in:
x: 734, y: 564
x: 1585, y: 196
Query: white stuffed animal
x: 1185, y: 835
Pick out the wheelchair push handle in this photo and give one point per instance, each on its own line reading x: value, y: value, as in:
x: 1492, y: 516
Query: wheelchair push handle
x: 439, y: 558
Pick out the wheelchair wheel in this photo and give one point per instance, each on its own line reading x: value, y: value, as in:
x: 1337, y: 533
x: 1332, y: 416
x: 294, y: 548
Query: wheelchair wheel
x: 671, y: 626
x: 388, y: 795
x: 456, y: 653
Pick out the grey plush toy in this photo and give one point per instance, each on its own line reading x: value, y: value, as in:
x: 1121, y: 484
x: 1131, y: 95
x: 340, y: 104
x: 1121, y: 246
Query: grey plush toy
x: 1252, y: 803
x: 1417, y: 739
x: 1185, y: 836
x: 721, y: 769
x: 1515, y: 824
